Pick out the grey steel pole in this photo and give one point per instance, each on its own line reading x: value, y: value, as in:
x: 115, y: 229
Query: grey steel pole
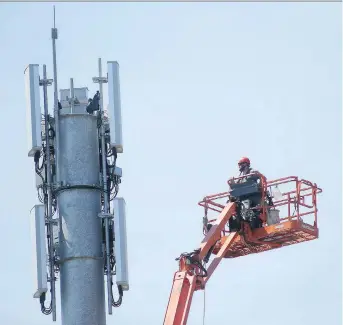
x: 49, y: 190
x: 79, y: 203
x: 54, y: 37
x: 106, y: 203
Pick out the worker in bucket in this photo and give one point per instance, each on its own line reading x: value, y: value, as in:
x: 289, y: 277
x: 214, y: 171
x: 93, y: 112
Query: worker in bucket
x: 247, y: 213
x: 254, y: 175
x: 245, y: 169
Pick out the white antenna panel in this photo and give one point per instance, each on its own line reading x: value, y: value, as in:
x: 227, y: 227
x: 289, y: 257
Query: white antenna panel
x: 122, y: 272
x: 33, y: 109
x: 80, y: 100
x: 40, y: 256
x: 114, y: 106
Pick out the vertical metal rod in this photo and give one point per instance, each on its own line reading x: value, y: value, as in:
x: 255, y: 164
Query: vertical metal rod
x: 49, y: 190
x: 106, y: 203
x: 71, y: 95
x: 54, y: 37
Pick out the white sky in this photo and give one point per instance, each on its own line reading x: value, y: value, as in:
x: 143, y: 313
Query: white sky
x: 202, y: 84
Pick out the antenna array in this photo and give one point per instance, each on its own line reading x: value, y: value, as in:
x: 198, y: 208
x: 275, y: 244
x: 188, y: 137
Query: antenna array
x: 80, y: 224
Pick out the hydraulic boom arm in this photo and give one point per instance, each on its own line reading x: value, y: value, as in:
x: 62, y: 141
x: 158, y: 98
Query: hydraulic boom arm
x: 273, y: 232
x: 192, y: 274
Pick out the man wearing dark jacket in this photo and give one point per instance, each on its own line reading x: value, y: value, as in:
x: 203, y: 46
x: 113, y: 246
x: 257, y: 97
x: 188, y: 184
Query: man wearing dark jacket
x: 254, y: 199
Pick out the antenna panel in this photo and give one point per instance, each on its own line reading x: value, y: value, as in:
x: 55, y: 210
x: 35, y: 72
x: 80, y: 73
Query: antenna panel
x: 114, y: 106
x: 80, y: 100
x: 122, y: 273
x: 81, y: 94
x: 33, y: 109
x: 64, y: 97
x: 40, y: 257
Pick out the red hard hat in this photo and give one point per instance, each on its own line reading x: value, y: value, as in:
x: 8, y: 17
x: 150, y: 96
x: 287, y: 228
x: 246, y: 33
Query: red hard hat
x: 244, y: 160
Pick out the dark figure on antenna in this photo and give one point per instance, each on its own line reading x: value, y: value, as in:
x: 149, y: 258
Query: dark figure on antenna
x: 93, y: 104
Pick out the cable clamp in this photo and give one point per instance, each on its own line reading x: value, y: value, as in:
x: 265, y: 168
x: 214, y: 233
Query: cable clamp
x: 105, y: 215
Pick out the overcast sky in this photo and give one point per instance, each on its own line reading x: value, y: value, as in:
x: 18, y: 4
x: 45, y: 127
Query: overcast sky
x: 202, y: 84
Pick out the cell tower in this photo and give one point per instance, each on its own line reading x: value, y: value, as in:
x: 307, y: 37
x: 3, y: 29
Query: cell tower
x: 79, y: 226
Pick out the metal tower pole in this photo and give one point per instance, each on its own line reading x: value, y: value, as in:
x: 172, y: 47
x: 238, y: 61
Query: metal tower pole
x: 106, y: 213
x: 73, y: 188
x: 79, y: 203
x: 49, y: 192
x: 54, y: 36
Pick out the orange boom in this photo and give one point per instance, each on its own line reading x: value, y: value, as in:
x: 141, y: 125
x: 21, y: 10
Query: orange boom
x: 287, y: 217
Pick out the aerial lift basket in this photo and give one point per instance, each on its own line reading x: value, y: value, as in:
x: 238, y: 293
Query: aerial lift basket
x: 290, y: 220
